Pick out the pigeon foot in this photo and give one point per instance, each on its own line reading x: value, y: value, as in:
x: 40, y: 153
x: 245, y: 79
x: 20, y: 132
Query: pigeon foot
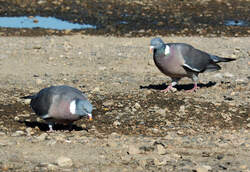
x: 193, y: 89
x: 169, y: 88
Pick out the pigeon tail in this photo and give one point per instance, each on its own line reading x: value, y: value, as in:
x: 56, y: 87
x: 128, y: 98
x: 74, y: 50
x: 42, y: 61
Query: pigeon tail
x: 218, y: 59
x: 212, y: 67
x: 28, y: 97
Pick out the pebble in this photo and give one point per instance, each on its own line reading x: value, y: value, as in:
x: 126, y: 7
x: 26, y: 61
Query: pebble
x: 27, y: 101
x: 64, y: 161
x: 18, y: 133
x: 29, y: 131
x: 160, y: 149
x: 96, y: 89
x: 229, y: 75
x: 116, y: 123
x: 137, y: 105
x: 108, y: 103
x: 39, y: 81
x: 203, y: 168
x: 52, y: 167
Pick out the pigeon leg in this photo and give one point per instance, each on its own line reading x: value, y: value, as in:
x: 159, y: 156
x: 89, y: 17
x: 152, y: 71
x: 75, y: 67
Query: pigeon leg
x: 51, y: 127
x: 193, y: 89
x: 195, y: 80
x: 170, y: 87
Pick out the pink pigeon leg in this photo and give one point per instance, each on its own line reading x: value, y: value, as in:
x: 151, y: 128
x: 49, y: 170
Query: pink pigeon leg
x: 167, y: 89
x: 194, y: 88
x: 171, y: 86
x: 51, y: 128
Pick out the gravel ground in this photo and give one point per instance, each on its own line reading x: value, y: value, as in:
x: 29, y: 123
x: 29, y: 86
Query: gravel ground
x: 136, y: 127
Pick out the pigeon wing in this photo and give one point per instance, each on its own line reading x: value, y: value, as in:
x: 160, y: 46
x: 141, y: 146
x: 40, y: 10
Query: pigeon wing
x: 42, y: 102
x: 194, y: 59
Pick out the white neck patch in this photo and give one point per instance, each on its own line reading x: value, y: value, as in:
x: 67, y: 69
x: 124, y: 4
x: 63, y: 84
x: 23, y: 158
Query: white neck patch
x: 72, y: 107
x: 167, y: 50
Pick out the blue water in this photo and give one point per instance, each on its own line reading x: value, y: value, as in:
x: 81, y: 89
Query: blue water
x: 42, y: 22
x: 236, y: 23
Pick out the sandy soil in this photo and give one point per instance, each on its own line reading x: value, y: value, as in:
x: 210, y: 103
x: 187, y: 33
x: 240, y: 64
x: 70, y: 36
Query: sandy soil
x: 136, y: 127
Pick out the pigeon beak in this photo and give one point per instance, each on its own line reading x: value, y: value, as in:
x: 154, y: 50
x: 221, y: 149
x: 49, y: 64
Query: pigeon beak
x: 90, y: 116
x: 151, y: 48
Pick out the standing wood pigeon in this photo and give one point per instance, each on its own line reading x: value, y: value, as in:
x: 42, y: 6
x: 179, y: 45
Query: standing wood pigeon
x: 178, y: 60
x: 60, y: 104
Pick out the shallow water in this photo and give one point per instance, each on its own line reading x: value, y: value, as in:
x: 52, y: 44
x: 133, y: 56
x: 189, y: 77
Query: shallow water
x: 41, y: 22
x: 236, y: 23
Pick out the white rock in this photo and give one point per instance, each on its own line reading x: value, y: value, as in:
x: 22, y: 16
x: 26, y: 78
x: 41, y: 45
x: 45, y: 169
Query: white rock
x: 137, y: 105
x: 96, y: 89
x: 160, y: 149
x: 203, y: 168
x: 64, y: 162
x: 52, y: 167
x: 182, y: 108
x: 18, y: 133
x: 29, y: 131
x: 27, y: 101
x: 108, y: 103
x: 39, y: 81
x: 229, y: 75
x: 116, y: 123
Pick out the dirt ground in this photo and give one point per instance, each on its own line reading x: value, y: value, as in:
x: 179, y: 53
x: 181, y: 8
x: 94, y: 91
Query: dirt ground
x: 136, y: 127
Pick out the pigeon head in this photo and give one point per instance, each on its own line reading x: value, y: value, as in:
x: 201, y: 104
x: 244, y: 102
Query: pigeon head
x: 81, y: 108
x: 156, y: 43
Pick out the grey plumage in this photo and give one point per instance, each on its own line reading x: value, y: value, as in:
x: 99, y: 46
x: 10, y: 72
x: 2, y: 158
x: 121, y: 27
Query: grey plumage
x: 178, y: 60
x: 60, y: 104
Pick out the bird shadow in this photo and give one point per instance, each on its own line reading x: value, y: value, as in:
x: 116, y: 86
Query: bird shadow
x: 59, y: 127
x: 178, y: 87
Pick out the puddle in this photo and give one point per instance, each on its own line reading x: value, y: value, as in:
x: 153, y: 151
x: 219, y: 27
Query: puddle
x: 236, y: 23
x: 41, y: 22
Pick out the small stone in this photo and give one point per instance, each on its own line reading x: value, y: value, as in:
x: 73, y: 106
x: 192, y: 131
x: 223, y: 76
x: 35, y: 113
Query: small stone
x: 203, y: 168
x: 229, y: 75
x: 29, y: 131
x: 160, y: 149
x: 182, y: 108
x: 16, y: 118
x: 137, y: 105
x: 155, y: 130
x: 116, y: 123
x: 18, y: 133
x: 96, y: 89
x: 108, y: 103
x: 132, y: 150
x: 248, y: 125
x: 27, y: 101
x: 39, y: 81
x: 64, y: 162
x: 52, y: 167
